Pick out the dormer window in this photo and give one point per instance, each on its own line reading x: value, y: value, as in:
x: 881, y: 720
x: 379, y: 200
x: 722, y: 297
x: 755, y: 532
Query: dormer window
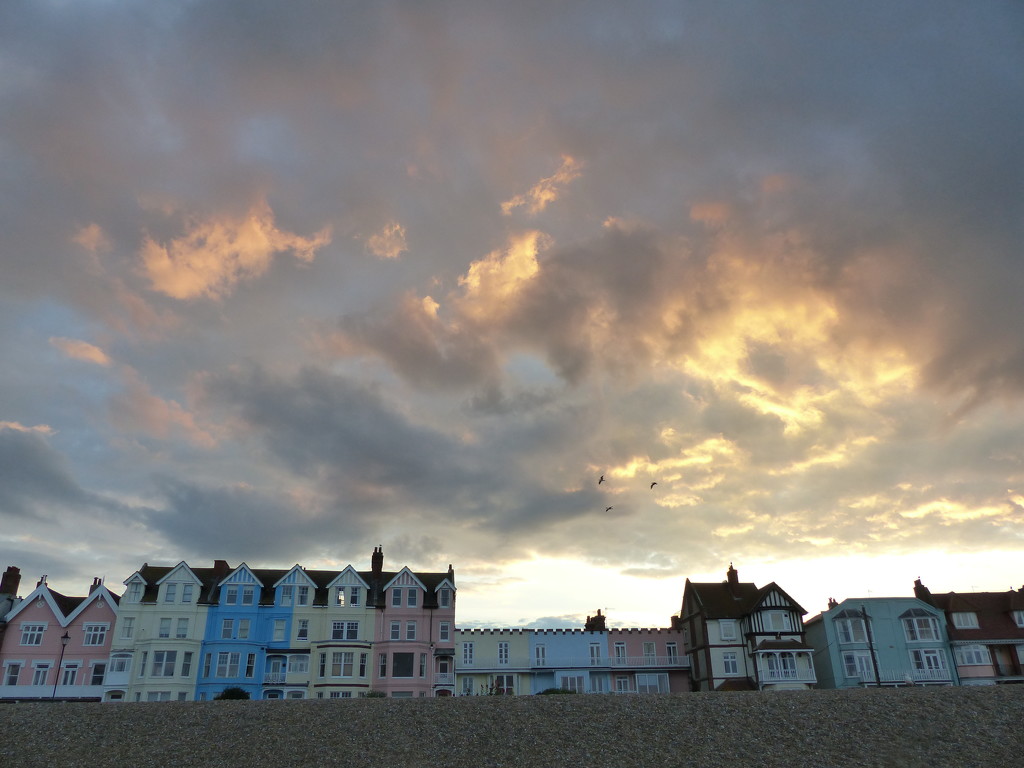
x: 248, y: 595
x: 339, y: 597
x: 1018, y: 618
x: 287, y: 594
x: 411, y: 597
x: 727, y: 629
x: 919, y: 625
x: 965, y: 620
x: 134, y: 594
x: 850, y: 627
x: 396, y: 597
x: 186, y: 593
x: 231, y: 596
x: 354, y: 596
x: 303, y: 596
x: 170, y: 592
x: 444, y: 597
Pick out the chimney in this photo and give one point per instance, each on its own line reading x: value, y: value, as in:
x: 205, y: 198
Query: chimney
x: 42, y: 580
x: 377, y: 560
x: 11, y: 581
x: 451, y: 573
x: 96, y: 582
x: 832, y: 603
x: 221, y: 569
x: 734, y: 578
x: 921, y: 592
x: 595, y: 623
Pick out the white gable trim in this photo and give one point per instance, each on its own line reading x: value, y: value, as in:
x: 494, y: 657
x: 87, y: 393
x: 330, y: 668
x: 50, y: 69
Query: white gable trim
x: 405, y: 578
x: 293, y: 577
x: 100, y: 592
x: 233, y: 577
x: 445, y: 583
x: 349, y: 578
x: 42, y: 592
x: 176, y: 570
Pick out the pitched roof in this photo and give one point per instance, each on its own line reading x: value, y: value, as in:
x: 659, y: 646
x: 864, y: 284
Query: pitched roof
x: 994, y: 611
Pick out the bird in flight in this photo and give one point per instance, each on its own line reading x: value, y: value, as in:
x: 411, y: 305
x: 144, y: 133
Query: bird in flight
x: 654, y: 483
x: 608, y: 509
x: 601, y: 480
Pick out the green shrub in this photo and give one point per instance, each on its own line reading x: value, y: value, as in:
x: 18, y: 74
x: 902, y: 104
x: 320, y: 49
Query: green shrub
x: 547, y: 691
x: 232, y: 693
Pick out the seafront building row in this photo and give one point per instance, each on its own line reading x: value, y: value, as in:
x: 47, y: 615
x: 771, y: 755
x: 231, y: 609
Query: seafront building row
x: 181, y: 632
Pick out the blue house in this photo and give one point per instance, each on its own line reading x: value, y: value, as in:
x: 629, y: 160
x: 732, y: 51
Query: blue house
x: 875, y: 641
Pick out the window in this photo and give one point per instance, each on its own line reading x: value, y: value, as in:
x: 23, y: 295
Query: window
x: 227, y: 629
x: 622, y: 684
x: 134, y: 593
x: 32, y: 634
x: 919, y: 625
x: 227, y: 664
x: 351, y: 630
x: 120, y: 663
x: 206, y: 664
x: 339, y: 597
x: 467, y: 654
x: 298, y: 663
x: 248, y: 595
x: 362, y: 664
x: 972, y: 655
x: 410, y: 630
x: 287, y: 594
x: 95, y: 634
x: 595, y: 654
x: 851, y: 629
x: 181, y: 631
x: 423, y: 665
x: 401, y: 665
x: 354, y: 597
x: 411, y: 597
x: 342, y: 663
x: 303, y: 595
x: 279, y: 627
x: 396, y: 630
x: 186, y: 593
x: 127, y: 627
x: 243, y: 629
x: 39, y: 673
x: 444, y: 597
x: 231, y: 596
x: 652, y: 683
x: 158, y: 696
x: 186, y: 663
x: 170, y: 592
x: 503, y: 653
x: 730, y: 664
x: 11, y: 674
x: 70, y: 674
x: 163, y: 663
x: 857, y: 664
x: 928, y: 663
x: 444, y: 631
x: 250, y: 665
x: 165, y: 628
x: 99, y: 671
x: 467, y: 686
x: 620, y: 652
x: 776, y: 621
x: 303, y: 631
x: 142, y: 664
x: 505, y: 685
x: 649, y: 654
x: 1018, y: 618
x: 727, y: 629
x: 382, y: 665
x: 965, y: 620
x: 672, y: 651
x: 396, y: 597
x: 540, y: 655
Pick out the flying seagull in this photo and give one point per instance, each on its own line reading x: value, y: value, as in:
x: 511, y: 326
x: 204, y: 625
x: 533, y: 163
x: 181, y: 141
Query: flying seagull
x: 608, y: 509
x: 601, y: 480
x: 654, y: 483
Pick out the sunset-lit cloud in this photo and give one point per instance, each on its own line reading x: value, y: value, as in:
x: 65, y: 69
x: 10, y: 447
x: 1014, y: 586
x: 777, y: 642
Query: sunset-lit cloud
x: 216, y: 253
x: 81, y: 350
x: 419, y: 278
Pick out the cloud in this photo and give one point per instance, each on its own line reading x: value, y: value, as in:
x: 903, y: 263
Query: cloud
x: 216, y: 253
x: 389, y: 243
x: 546, y: 190
x: 137, y: 409
x: 81, y: 350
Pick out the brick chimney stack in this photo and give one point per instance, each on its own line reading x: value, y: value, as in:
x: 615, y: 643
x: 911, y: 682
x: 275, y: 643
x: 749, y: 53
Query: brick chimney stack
x: 96, y: 582
x: 921, y: 592
x: 733, y: 577
x: 377, y: 561
x: 11, y: 581
x: 595, y: 623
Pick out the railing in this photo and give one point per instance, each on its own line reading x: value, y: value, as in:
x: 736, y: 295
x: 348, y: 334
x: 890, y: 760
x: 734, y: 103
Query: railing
x: 790, y: 675
x: 912, y: 675
x: 274, y: 678
x: 444, y: 678
x: 621, y: 662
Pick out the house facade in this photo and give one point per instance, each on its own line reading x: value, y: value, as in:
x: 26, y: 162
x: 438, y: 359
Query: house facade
x: 742, y: 637
x: 594, y: 659
x: 986, y: 633
x: 58, y: 647
x: 880, y: 641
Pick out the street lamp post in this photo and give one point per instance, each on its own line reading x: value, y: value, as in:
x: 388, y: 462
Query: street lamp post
x: 56, y: 678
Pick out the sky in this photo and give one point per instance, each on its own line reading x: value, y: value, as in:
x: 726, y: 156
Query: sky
x: 282, y: 282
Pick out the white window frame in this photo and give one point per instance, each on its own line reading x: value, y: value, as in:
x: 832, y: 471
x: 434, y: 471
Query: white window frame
x: 922, y: 658
x: 40, y: 671
x: 280, y: 627
x: 248, y: 595
x: 851, y: 630
x: 12, y: 671
x: 302, y: 629
x: 32, y: 633
x: 410, y: 630
x: 858, y: 665
x: 231, y: 595
x: 444, y: 598
x: 540, y: 655
x: 164, y: 628
x: 503, y: 653
x: 170, y: 591
x: 652, y: 682
x: 412, y: 597
x: 727, y: 629
x: 94, y: 634
x: 972, y: 655
x: 467, y: 654
x: 164, y: 663
x: 396, y: 630
x: 128, y: 627
x: 69, y: 673
x: 120, y: 662
x: 227, y: 629
x: 186, y: 592
x: 354, y: 597
x: 181, y: 629
x: 921, y: 629
x: 134, y: 593
x: 396, y: 597
x: 444, y: 631
x: 243, y: 628
x: 730, y: 663
x: 965, y: 619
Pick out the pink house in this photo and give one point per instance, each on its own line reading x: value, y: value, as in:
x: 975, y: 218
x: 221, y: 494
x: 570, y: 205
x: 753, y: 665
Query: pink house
x: 57, y: 646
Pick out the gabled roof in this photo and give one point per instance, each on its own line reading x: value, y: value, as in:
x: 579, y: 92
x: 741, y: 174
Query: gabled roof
x: 994, y: 611
x: 782, y: 645
x: 300, y: 575
x: 242, y: 568
x: 720, y: 600
x: 64, y: 608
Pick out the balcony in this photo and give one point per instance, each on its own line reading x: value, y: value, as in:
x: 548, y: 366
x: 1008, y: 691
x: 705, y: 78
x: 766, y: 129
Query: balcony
x: 612, y: 662
x: 908, y: 676
x: 444, y: 678
x: 274, y: 678
x: 788, y: 676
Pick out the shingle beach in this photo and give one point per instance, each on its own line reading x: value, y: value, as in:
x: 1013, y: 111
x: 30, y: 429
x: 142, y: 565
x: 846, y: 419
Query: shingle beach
x: 931, y: 727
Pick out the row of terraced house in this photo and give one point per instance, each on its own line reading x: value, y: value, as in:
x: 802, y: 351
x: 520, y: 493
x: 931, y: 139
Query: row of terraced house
x: 189, y: 633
